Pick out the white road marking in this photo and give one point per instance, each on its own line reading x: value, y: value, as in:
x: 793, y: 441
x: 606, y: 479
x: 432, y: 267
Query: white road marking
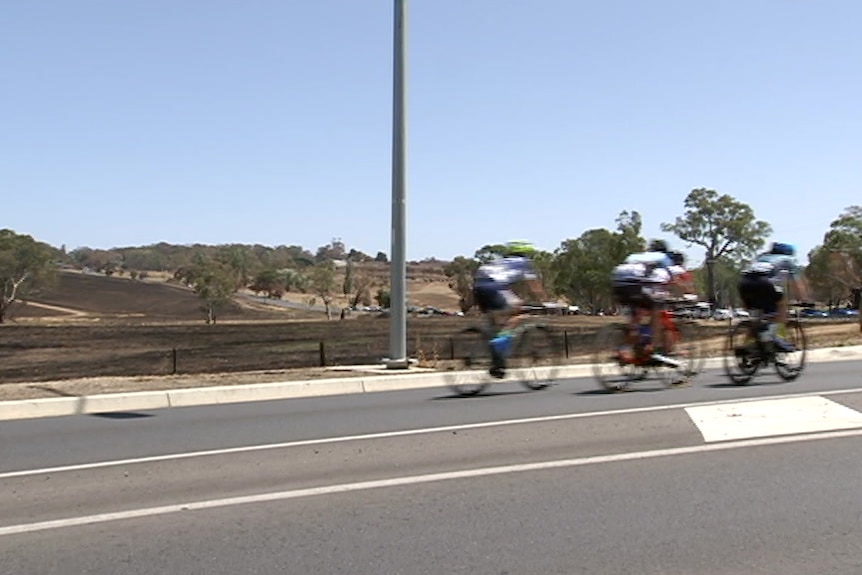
x: 769, y: 417
x: 401, y: 433
x: 414, y: 480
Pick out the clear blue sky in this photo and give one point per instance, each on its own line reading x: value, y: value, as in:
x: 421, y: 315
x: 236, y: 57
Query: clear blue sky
x: 127, y: 123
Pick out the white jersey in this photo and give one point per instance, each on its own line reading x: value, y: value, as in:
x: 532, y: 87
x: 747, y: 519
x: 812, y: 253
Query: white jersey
x: 504, y: 272
x: 646, y: 267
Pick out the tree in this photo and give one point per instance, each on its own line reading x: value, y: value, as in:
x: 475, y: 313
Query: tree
x: 489, y: 252
x: 25, y: 265
x: 214, y: 282
x: 321, y: 278
x: 581, y: 268
x: 725, y: 227
x: 347, y: 286
x: 460, y: 272
x: 383, y: 297
x: 270, y: 281
x: 835, y: 267
x: 381, y: 258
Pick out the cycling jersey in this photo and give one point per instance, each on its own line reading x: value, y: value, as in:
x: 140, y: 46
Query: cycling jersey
x: 503, y: 272
x: 645, y: 267
x: 776, y: 268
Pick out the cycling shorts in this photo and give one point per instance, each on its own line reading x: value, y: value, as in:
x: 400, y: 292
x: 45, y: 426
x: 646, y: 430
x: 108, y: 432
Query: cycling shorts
x: 492, y: 297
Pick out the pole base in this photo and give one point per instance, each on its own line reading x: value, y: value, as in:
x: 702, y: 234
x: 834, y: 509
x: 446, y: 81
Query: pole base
x: 398, y: 363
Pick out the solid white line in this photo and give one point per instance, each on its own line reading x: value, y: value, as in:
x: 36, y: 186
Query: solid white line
x: 402, y: 433
x: 414, y: 480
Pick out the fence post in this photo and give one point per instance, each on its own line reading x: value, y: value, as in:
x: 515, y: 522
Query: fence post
x: 452, y: 348
x: 173, y: 361
x: 322, y: 353
x: 566, y: 342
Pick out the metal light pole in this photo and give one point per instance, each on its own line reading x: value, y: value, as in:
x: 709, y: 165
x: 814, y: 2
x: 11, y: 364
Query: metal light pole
x: 398, y: 271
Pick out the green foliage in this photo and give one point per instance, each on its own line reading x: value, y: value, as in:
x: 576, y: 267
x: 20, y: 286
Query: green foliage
x: 321, y: 279
x: 489, y: 252
x: 383, y: 297
x: 725, y: 227
x: 381, y: 257
x: 582, y: 267
x: 269, y: 281
x: 214, y: 282
x: 835, y: 267
x: 25, y: 266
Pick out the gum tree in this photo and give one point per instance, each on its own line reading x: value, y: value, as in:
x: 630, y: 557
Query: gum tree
x: 25, y: 265
x: 725, y: 227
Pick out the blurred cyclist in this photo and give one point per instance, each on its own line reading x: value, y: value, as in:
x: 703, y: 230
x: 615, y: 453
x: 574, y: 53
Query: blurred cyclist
x: 493, y: 292
x: 763, y: 287
x: 642, y: 283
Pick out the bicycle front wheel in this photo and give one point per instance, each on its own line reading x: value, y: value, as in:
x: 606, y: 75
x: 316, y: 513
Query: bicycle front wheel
x: 469, y: 374
x: 536, y: 361
x: 789, y: 366
x: 741, y: 353
x: 688, y: 352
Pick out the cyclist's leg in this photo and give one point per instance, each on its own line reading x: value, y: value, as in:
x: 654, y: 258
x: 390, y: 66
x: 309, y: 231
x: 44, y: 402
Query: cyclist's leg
x: 492, y: 303
x: 514, y: 309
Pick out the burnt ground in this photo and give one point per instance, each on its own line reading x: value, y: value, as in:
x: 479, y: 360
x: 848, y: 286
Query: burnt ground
x: 93, y: 326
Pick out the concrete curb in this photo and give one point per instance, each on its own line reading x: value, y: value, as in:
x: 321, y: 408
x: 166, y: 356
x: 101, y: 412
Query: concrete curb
x: 149, y: 400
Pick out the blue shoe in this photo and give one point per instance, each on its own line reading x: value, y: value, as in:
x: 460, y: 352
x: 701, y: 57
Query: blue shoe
x: 501, y: 344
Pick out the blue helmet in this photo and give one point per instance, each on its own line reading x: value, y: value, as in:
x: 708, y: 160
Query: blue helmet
x: 781, y: 249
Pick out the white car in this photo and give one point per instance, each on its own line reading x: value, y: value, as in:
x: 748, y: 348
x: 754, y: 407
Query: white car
x: 722, y: 314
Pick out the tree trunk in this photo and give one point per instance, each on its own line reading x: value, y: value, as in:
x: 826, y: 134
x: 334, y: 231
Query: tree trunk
x: 710, y: 281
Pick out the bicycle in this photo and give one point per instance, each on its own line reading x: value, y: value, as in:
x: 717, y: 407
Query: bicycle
x: 616, y: 372
x: 746, y: 352
x: 531, y: 358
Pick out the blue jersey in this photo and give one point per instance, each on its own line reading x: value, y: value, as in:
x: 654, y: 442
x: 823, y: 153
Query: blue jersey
x: 775, y: 267
x: 504, y: 272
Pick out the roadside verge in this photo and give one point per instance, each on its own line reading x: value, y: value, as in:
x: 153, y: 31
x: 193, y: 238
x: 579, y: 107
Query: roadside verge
x: 226, y: 394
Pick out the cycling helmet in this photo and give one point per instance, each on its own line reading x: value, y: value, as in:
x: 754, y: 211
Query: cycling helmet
x: 678, y: 258
x: 520, y: 248
x: 781, y: 249
x: 658, y: 246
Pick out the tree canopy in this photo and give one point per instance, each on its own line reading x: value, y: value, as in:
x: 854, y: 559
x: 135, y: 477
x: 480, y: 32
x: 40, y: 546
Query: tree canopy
x: 724, y: 226
x: 25, y: 266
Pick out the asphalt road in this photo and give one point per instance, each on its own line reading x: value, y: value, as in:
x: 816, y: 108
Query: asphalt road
x: 566, y: 480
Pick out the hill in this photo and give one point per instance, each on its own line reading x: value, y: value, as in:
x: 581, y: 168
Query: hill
x: 90, y: 297
x: 85, y: 297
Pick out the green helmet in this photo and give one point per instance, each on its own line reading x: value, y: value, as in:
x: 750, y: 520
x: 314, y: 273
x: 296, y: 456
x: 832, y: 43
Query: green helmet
x: 520, y: 248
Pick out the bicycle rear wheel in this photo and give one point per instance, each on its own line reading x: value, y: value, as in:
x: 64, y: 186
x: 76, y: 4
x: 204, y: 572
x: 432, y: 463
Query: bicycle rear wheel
x: 609, y: 369
x: 789, y: 366
x: 469, y: 374
x: 536, y: 361
x: 741, y: 354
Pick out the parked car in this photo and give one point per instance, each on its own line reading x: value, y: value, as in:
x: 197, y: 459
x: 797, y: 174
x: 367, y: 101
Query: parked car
x: 843, y: 312
x: 722, y: 314
x: 811, y: 313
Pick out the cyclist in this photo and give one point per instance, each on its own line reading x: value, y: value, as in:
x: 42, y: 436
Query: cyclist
x: 642, y: 283
x: 493, y: 292
x: 763, y: 284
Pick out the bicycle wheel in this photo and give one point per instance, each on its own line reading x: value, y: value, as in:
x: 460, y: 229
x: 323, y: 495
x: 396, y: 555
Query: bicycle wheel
x: 742, y: 354
x: 469, y: 374
x: 609, y: 370
x: 536, y: 360
x: 687, y: 350
x: 788, y: 366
